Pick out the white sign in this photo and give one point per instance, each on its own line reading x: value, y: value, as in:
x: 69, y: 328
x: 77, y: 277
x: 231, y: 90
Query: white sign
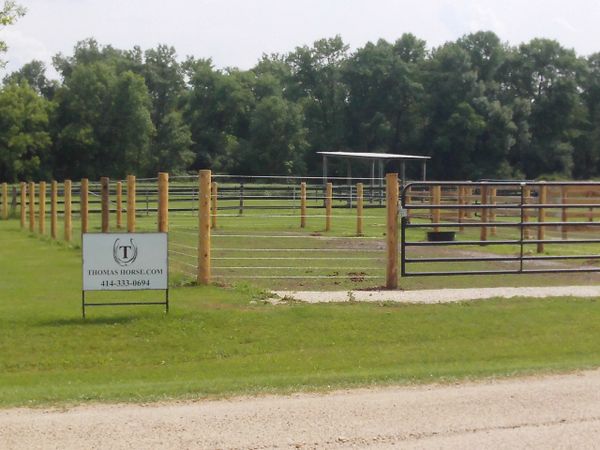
x: 125, y: 261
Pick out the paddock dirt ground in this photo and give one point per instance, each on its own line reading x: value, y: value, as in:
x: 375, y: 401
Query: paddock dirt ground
x: 554, y: 411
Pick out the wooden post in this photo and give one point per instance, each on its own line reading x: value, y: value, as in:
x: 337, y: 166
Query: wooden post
x: 542, y: 218
x: 436, y: 199
x: 328, y: 205
x: 526, y: 200
x: 241, y: 212
x: 23, y: 204
x: 214, y: 196
x: 105, y: 196
x: 469, y: 213
x: 31, y: 206
x: 84, y: 204
x: 461, y: 202
x: 204, y: 271
x: 42, y: 208
x: 392, y: 230
x: 303, y: 205
x: 13, y: 204
x: 53, y: 209
x: 131, y: 203
x: 68, y: 211
x: 564, y: 211
x: 492, y: 213
x: 119, y: 205
x: 484, y: 213
x: 5, y: 201
x: 163, y: 202
x: 359, y: 208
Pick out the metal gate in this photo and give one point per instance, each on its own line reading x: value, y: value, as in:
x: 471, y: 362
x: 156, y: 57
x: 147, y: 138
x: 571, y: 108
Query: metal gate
x: 486, y: 228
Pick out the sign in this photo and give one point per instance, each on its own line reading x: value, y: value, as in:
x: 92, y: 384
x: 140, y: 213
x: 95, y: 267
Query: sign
x: 125, y: 261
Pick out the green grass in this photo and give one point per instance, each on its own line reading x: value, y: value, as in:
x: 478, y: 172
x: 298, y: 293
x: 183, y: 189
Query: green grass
x: 219, y: 341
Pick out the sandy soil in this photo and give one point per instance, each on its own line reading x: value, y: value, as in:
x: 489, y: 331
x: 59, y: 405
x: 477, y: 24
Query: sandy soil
x: 431, y: 296
x: 537, y: 412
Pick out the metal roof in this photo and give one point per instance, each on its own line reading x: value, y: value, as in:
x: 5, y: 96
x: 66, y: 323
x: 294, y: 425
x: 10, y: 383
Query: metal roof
x: 375, y: 155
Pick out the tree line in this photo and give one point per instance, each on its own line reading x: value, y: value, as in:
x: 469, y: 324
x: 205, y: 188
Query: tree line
x: 479, y: 107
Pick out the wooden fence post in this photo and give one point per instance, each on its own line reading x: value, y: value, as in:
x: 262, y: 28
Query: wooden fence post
x: 31, y: 206
x: 23, y: 204
x: 469, y: 213
x: 5, y: 201
x: 214, y: 196
x: 68, y: 211
x: 105, y: 195
x: 13, y: 204
x: 359, y: 208
x: 436, y: 199
x: 492, y: 214
x: 526, y: 200
x: 461, y: 202
x: 42, y: 208
x: 131, y: 203
x: 119, y: 205
x: 241, y: 211
x: 328, y: 206
x: 163, y: 202
x: 542, y: 218
x: 204, y: 271
x: 53, y: 208
x: 392, y: 230
x: 303, y: 204
x: 84, y: 204
x: 564, y: 211
x: 484, y: 213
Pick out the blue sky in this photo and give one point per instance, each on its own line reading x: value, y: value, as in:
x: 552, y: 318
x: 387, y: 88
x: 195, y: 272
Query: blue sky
x: 237, y: 32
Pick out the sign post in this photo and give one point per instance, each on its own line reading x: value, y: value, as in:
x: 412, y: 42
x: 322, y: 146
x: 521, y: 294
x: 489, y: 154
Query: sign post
x: 125, y: 262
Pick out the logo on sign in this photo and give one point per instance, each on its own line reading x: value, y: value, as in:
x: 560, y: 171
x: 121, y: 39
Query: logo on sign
x: 124, y: 253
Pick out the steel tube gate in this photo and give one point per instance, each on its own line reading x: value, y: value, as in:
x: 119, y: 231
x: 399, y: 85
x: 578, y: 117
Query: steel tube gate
x: 507, y: 215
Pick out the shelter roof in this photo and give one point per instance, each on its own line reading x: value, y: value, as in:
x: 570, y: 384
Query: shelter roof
x: 366, y: 155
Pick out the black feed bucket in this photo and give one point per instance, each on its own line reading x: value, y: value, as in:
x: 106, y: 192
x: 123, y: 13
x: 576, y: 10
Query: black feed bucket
x: 441, y: 236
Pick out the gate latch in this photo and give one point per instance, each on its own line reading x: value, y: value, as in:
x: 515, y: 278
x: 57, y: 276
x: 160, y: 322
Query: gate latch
x: 403, y: 212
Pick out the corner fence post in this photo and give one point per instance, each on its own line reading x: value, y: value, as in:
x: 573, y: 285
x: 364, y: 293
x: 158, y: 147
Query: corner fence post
x: 23, y: 200
x: 163, y: 202
x: 67, y: 211
x: 119, y: 205
x: 31, y: 206
x: 42, y: 209
x: 131, y: 203
x: 84, y: 204
x: 328, y: 205
x: 359, y: 208
x: 53, y: 209
x: 392, y: 230
x: 303, y: 205
x: 204, y: 271
x: 542, y: 218
x: 214, y: 188
x: 105, y: 195
x: 4, y: 201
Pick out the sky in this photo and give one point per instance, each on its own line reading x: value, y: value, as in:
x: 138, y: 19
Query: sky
x: 237, y: 32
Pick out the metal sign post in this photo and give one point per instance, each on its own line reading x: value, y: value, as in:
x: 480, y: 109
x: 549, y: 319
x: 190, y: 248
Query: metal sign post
x: 125, y: 262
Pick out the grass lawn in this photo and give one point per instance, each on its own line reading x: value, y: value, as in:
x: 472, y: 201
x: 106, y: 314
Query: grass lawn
x: 220, y: 341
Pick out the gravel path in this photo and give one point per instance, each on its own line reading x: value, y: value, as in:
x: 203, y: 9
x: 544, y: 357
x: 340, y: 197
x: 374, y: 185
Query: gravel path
x: 541, y: 412
x: 436, y: 295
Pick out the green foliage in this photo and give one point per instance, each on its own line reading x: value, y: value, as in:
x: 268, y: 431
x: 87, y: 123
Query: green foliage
x: 24, y: 137
x: 479, y: 107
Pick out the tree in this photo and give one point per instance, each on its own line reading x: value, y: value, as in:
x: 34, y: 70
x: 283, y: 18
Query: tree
x: 9, y: 13
x: 24, y: 137
x: 34, y: 73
